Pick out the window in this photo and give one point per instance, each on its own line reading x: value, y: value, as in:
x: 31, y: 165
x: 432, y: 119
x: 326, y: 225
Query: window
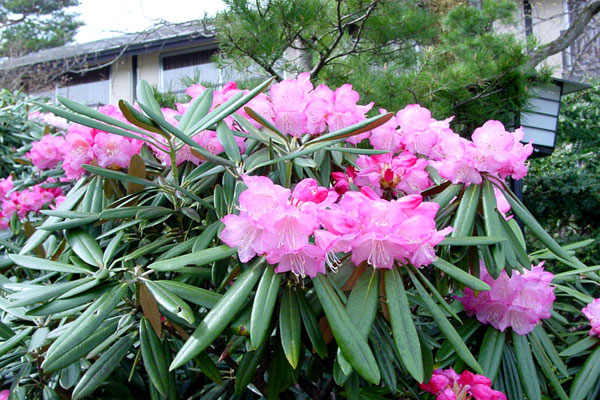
x: 196, y: 65
x: 91, y: 88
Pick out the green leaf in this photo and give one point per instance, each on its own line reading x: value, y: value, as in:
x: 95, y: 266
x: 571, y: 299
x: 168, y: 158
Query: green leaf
x: 289, y: 326
x: 89, y: 343
x: 228, y: 142
x: 120, y: 176
x: 528, y: 220
x: 460, y: 275
x: 526, y: 367
x: 112, y: 125
x: 228, y: 108
x: 587, y: 377
x: 43, y: 293
x: 402, y: 323
x: 309, y: 320
x: 137, y: 118
x: 472, y: 240
x: 220, y: 316
x: 547, y: 367
x: 155, y: 362
x: 467, y: 209
x: 112, y: 247
x: 69, y: 224
x: 360, y: 127
x: 493, y: 227
x: 248, y: 366
x: 9, y: 344
x: 448, y: 194
x: 580, y: 346
x: 512, y: 383
x: 490, y: 352
x: 47, y: 265
x: 199, y: 258
x: 193, y: 294
x: 102, y: 368
x: 263, y: 306
x: 444, y: 325
x: 145, y: 97
x: 354, y: 347
x: 82, y: 327
x: 197, y: 110
x: 170, y: 301
x: 39, y: 236
x: 550, y: 351
x: 85, y: 246
x: 208, y: 367
x: 352, y: 150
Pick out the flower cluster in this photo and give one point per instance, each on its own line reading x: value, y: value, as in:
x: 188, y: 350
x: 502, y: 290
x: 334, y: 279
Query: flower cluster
x: 47, y: 152
x: 492, y: 149
x: 592, y: 312
x: 519, y: 301
x: 448, y: 385
x: 28, y: 200
x: 401, y: 174
x: 303, y: 229
x: 48, y: 119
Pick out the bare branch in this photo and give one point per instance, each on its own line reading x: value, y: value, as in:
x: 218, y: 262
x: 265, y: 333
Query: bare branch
x: 569, y: 36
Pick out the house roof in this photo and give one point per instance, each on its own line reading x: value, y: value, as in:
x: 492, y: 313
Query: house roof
x: 153, y: 39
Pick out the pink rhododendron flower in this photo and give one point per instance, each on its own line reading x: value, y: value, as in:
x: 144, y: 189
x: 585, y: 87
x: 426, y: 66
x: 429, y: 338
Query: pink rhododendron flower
x: 6, y: 185
x: 592, y: 312
x: 78, y: 151
x: 47, y: 152
x: 519, y: 301
x: 4, y: 394
x: 448, y: 385
x: 49, y: 119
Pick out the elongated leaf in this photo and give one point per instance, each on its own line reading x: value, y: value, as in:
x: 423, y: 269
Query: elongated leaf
x: 289, y: 326
x: 39, y: 236
x: 403, y: 326
x: 114, y: 126
x: 550, y: 351
x: 352, y: 150
x: 445, y: 326
x: 354, y: 347
x: 83, y: 326
x: 587, y: 377
x: 197, y: 110
x: 228, y: 142
x: 170, y: 301
x: 472, y: 240
x: 220, y: 316
x: 43, y: 293
x: 467, y: 209
x: 283, y: 139
x: 247, y: 368
x: 309, y: 320
x: 447, y: 194
x: 526, y: 367
x: 121, y: 176
x: 9, y: 344
x: 208, y: 367
x: 85, y: 246
x: 112, y: 247
x: 102, y: 368
x: 47, y: 265
x: 492, y: 227
x: 490, y: 352
x: 525, y: 216
x: 547, y: 368
x: 69, y: 224
x: 145, y: 97
x: 263, y: 306
x: 193, y: 294
x: 155, y: 362
x: 363, y: 126
x: 199, y: 258
x: 228, y: 108
x: 76, y: 352
x: 460, y: 275
x: 579, y: 347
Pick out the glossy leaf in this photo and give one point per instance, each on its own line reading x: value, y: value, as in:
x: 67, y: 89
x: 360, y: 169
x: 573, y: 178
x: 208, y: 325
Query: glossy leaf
x: 490, y: 352
x: 460, y: 275
x: 85, y: 246
x: 289, y: 326
x: 404, y: 331
x: 263, y: 306
x: 155, y: 362
x: 47, y: 265
x: 467, y: 209
x: 199, y: 258
x: 526, y: 367
x: 354, y: 347
x: 220, y: 316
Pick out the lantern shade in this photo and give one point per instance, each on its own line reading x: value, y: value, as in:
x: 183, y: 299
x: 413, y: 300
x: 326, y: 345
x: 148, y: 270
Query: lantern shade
x: 540, y: 120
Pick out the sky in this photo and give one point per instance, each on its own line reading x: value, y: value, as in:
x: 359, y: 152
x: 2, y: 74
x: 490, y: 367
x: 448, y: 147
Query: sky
x: 107, y: 18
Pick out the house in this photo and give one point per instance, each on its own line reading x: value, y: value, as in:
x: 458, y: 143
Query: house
x: 104, y: 71
x: 107, y: 70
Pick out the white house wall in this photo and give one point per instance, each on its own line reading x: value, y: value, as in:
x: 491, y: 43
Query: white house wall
x: 149, y: 68
x: 548, y: 24
x: 121, y: 85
